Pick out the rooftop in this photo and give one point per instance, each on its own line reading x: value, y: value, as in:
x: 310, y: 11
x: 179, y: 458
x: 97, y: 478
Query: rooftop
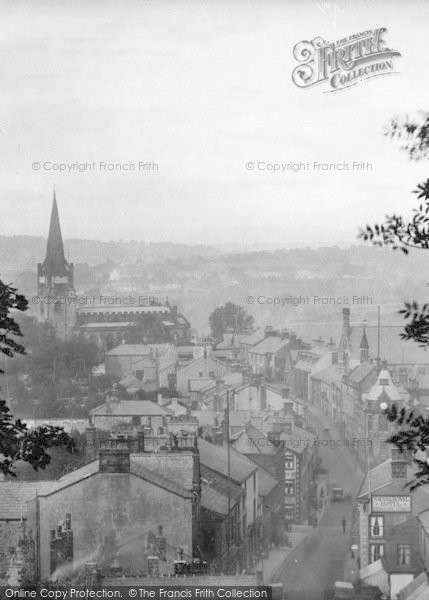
x: 253, y: 338
x: 216, y: 458
x: 130, y: 408
x: 270, y: 345
x: 137, y: 349
x: 14, y: 495
x: 215, y: 501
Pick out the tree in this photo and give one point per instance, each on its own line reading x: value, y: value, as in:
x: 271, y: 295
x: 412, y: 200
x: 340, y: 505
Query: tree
x: 403, y: 234
x: 229, y: 317
x: 412, y: 437
x: 17, y: 442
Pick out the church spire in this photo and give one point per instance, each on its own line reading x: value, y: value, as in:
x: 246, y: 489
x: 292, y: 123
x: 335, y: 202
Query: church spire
x: 55, y: 261
x: 364, y: 347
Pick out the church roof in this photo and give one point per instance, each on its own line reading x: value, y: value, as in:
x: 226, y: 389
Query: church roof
x: 55, y: 261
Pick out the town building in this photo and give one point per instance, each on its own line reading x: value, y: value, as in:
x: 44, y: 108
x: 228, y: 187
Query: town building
x: 226, y: 467
x: 110, y: 322
x: 308, y: 364
x: 390, y: 551
x: 154, y: 365
x: 199, y: 372
x: 131, y: 511
x: 300, y: 468
x: 55, y: 282
x: 115, y: 414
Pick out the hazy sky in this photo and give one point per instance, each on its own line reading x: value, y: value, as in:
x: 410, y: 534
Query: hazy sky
x: 200, y: 88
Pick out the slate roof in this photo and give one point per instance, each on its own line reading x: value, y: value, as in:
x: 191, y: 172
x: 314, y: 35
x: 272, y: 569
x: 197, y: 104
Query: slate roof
x: 270, y: 344
x: 112, y: 325
x: 298, y: 440
x: 253, y: 338
x: 361, y: 372
x: 107, y: 309
x: 332, y: 374
x: 127, y: 408
x: 220, y: 483
x: 266, y: 482
x: 14, y: 495
x: 216, y: 458
x: 135, y: 349
x: 306, y: 365
x: 255, y: 447
x: 89, y: 470
x: 215, y: 501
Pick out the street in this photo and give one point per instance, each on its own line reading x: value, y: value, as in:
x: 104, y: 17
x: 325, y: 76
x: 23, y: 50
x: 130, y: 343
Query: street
x: 319, y: 560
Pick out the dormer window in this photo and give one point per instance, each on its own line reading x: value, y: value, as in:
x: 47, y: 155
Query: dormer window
x: 384, y: 382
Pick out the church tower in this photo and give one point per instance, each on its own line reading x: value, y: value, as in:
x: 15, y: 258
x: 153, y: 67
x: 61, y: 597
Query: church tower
x: 55, y: 286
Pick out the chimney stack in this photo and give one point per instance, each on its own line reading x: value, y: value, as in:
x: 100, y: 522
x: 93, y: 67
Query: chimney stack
x: 114, y: 456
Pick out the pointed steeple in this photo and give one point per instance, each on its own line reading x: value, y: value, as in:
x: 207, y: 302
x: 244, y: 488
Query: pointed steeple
x: 364, y: 347
x: 364, y: 341
x: 55, y: 262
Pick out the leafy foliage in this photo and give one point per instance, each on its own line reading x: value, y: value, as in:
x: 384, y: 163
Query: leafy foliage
x: 413, y: 437
x: 17, y: 442
x: 400, y: 234
x: 229, y: 317
x: 413, y: 135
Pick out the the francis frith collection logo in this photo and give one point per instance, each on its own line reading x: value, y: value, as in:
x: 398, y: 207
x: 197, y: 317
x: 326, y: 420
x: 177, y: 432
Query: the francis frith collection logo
x: 343, y: 63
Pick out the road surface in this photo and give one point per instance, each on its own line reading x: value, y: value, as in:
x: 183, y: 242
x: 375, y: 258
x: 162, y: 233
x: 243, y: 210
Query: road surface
x: 319, y: 560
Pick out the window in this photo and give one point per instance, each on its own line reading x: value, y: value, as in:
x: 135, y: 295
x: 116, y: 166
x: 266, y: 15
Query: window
x: 399, y: 470
x: 289, y: 462
x: 200, y: 374
x: 404, y: 554
x: 383, y: 424
x: 136, y: 421
x: 384, y: 382
x: 376, y: 551
x: 254, y: 482
x: 376, y: 526
x: 289, y: 487
x: 370, y: 423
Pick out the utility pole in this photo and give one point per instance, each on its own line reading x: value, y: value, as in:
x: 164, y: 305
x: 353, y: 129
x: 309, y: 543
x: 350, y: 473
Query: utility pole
x: 378, y: 339
x: 229, y: 467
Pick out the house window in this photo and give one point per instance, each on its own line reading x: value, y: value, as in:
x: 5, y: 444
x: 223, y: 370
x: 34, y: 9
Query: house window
x: 289, y: 488
x: 376, y: 526
x: 384, y: 382
x: 383, y: 424
x: 370, y: 423
x: 200, y: 374
x: 212, y: 374
x: 289, y: 462
x: 136, y: 421
x: 404, y: 554
x: 399, y: 470
x: 376, y: 551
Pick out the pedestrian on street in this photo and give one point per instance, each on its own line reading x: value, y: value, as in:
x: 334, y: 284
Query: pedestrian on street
x: 344, y: 523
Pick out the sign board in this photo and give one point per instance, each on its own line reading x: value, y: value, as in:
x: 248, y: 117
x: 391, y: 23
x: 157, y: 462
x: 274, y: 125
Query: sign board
x: 391, y: 504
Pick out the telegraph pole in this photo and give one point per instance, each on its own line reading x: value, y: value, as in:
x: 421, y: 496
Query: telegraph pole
x: 229, y: 466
